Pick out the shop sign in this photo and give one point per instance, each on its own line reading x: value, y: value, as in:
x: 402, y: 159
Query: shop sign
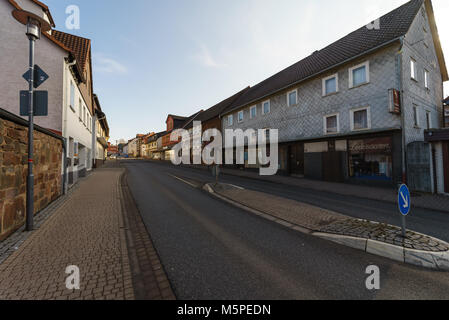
x: 380, y: 145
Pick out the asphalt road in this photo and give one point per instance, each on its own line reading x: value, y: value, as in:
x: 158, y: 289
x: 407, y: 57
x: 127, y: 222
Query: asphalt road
x: 212, y: 250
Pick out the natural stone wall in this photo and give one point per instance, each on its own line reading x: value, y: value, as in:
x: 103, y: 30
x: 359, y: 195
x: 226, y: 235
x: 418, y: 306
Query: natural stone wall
x: 13, y: 173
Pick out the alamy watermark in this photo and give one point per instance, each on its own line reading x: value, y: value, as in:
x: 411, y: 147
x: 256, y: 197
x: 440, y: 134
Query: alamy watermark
x: 373, y: 281
x: 73, y: 21
x: 252, y: 147
x: 72, y: 282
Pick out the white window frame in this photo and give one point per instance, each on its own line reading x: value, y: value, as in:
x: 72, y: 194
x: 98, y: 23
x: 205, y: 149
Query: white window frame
x: 288, y: 97
x: 351, y: 76
x: 368, y: 115
x: 230, y: 120
x: 238, y: 116
x: 416, y: 124
x: 325, y: 123
x: 263, y: 107
x: 324, y: 84
x: 429, y: 115
x: 413, y: 69
x: 251, y: 112
x: 426, y: 79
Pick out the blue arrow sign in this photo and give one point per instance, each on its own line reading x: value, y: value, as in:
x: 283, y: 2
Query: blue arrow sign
x: 404, y: 200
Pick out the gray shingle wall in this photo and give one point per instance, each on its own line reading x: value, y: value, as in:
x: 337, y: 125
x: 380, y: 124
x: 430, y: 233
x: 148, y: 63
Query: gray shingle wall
x: 305, y: 120
x: 414, y: 91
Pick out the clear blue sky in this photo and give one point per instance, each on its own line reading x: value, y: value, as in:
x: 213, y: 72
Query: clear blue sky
x: 153, y: 57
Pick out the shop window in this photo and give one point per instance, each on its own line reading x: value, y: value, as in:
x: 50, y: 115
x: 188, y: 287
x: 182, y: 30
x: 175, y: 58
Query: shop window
x: 371, y: 159
x: 360, y: 119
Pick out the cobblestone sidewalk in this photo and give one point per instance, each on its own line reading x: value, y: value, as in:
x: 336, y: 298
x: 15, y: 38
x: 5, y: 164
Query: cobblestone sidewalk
x: 316, y: 219
x: 88, y: 231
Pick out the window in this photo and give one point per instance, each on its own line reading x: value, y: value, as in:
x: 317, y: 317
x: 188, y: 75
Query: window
x: 292, y: 98
x: 359, y: 75
x: 360, y: 119
x: 240, y: 116
x: 253, y: 112
x: 80, y: 107
x: 413, y: 69
x: 415, y: 116
x: 428, y: 121
x: 426, y: 79
x: 266, y: 108
x: 331, y: 124
x: 72, y: 96
x: 230, y: 120
x: 330, y: 85
x: 371, y: 159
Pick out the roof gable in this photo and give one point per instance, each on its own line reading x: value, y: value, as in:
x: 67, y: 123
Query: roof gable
x: 78, y: 45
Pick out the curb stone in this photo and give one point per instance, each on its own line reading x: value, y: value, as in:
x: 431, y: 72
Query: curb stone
x: 426, y: 259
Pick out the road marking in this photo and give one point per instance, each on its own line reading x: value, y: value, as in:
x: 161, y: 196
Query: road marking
x: 182, y: 180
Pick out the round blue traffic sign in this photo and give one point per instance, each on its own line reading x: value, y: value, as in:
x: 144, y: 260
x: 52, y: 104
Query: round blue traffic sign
x: 404, y: 200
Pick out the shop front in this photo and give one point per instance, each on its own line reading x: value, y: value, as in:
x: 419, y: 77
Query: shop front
x: 371, y: 159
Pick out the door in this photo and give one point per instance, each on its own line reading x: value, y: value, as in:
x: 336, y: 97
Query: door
x: 296, y: 159
x: 446, y: 166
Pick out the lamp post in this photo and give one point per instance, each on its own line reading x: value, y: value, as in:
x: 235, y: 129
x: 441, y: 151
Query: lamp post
x: 34, y: 26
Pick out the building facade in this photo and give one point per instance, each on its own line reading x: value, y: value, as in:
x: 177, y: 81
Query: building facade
x: 340, y: 111
x: 67, y: 60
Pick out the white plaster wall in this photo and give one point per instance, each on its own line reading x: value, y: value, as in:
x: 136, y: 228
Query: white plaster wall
x: 72, y: 125
x: 14, y: 51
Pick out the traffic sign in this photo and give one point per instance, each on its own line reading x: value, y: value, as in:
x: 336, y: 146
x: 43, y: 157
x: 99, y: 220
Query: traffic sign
x: 40, y: 103
x: 404, y: 200
x: 39, y: 76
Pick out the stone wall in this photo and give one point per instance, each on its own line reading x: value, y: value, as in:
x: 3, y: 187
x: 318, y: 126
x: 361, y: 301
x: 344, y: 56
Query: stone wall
x: 13, y: 172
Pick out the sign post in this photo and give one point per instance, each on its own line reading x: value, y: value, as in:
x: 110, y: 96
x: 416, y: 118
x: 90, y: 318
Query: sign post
x: 34, y: 26
x: 404, y: 202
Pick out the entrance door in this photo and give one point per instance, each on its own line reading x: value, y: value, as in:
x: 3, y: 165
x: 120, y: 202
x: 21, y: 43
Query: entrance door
x: 296, y: 159
x: 446, y: 166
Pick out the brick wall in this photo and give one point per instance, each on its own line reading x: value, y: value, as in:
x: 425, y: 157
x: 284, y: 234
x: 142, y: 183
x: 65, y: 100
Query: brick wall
x: 13, y: 172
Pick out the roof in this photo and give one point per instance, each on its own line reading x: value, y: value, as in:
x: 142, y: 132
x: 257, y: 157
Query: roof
x: 217, y: 109
x: 78, y: 45
x: 358, y: 43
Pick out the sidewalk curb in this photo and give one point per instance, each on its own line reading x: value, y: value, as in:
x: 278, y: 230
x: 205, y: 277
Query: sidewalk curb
x: 257, y: 178
x: 426, y: 259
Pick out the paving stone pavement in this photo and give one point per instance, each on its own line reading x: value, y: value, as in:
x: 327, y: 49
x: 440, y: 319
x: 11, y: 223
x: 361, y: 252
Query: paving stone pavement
x: 88, y: 231
x: 320, y: 220
x: 385, y: 233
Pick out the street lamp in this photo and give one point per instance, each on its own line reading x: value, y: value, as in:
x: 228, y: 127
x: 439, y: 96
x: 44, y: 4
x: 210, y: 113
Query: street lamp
x: 35, y: 25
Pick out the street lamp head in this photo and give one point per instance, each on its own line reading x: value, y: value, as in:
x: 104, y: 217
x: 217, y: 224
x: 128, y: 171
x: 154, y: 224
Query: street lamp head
x: 34, y: 23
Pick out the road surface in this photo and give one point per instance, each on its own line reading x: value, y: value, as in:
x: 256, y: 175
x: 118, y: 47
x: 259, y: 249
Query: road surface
x: 212, y: 250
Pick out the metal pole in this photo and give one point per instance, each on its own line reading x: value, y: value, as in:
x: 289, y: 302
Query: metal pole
x: 30, y: 178
x: 404, y: 227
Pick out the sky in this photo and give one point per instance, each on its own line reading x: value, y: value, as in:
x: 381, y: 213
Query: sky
x: 152, y: 58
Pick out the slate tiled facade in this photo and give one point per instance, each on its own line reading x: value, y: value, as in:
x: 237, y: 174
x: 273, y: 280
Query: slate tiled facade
x: 349, y: 155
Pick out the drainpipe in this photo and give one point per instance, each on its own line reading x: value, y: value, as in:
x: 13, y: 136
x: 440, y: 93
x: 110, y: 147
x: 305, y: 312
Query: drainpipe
x: 64, y: 177
x: 400, y: 74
